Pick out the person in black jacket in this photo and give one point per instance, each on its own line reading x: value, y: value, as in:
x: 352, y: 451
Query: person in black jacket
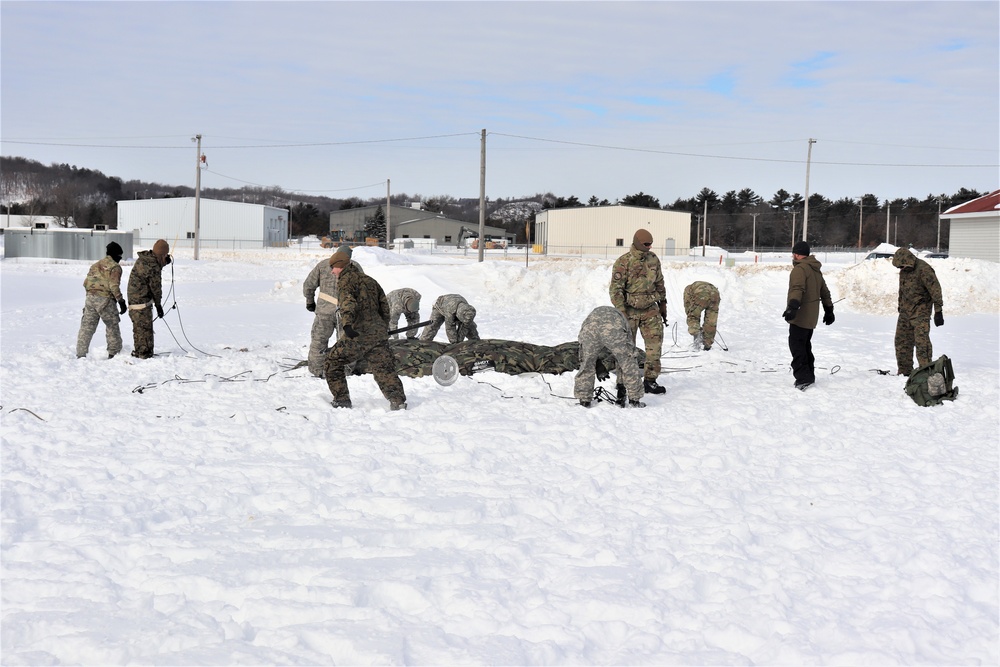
x: 806, y: 290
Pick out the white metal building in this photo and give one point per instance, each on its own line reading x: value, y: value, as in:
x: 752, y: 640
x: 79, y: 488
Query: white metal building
x: 608, y: 230
x: 221, y: 224
x: 975, y: 228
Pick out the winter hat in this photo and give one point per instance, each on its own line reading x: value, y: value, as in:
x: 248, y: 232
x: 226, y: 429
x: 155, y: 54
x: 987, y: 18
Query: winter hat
x: 115, y: 251
x: 465, y: 313
x: 160, y: 248
x: 340, y: 258
x: 801, y: 248
x: 641, y: 239
x: 346, y: 248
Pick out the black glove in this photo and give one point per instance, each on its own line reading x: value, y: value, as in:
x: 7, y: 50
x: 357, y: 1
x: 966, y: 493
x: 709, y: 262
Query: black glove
x: 793, y: 307
x: 159, y: 311
x: 938, y: 318
x: 602, y: 372
x: 828, y: 317
x: 122, y: 307
x: 663, y: 312
x: 311, y: 307
x: 349, y: 331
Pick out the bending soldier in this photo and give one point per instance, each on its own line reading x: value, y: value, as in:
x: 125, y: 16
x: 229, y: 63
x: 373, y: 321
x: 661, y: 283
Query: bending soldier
x: 404, y: 301
x: 702, y: 297
x: 606, y: 329
x: 457, y: 316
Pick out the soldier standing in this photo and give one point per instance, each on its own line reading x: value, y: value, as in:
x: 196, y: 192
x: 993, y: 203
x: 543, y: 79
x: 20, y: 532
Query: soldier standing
x: 325, y: 323
x: 637, y: 291
x: 606, y: 328
x: 145, y: 293
x: 404, y: 301
x: 919, y: 292
x: 700, y: 298
x: 806, y: 289
x: 103, y: 286
x: 457, y: 316
x: 364, y: 316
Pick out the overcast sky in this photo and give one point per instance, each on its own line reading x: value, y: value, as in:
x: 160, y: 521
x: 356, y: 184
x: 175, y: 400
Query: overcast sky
x: 577, y: 98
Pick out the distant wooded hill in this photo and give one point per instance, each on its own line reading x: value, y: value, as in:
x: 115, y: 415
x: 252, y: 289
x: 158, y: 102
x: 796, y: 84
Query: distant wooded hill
x: 88, y: 197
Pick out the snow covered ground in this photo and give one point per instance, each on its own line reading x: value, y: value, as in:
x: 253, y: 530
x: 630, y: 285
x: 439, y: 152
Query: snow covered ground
x: 209, y: 507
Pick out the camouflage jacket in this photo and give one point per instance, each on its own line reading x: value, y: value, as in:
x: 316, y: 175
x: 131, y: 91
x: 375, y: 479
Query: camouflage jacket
x: 397, y: 303
x: 104, y: 279
x: 637, y: 281
x: 806, y: 285
x: 918, y: 283
x: 144, y: 281
x: 323, y: 279
x: 362, y: 303
x: 700, y: 293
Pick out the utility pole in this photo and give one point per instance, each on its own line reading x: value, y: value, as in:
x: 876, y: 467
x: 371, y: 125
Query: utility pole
x: 388, y: 211
x: 754, y: 247
x: 197, y: 197
x: 887, y: 206
x: 794, y: 213
x: 482, y: 195
x: 861, y: 217
x: 704, y: 233
x: 805, y: 211
x: 938, y: 248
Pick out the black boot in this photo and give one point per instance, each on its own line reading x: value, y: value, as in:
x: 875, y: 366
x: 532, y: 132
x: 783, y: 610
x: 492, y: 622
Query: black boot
x: 622, y: 394
x: 653, y: 387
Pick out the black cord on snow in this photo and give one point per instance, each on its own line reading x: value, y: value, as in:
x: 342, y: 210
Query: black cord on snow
x: 28, y: 411
x: 177, y: 378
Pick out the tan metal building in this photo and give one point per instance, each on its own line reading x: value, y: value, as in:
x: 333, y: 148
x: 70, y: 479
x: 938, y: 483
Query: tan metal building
x: 607, y: 230
x: 975, y: 228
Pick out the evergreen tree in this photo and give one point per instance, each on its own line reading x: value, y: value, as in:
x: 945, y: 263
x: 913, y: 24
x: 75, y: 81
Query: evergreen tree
x: 375, y: 224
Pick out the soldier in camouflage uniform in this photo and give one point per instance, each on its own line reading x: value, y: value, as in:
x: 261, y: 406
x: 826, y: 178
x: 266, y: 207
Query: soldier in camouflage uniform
x: 404, y: 301
x: 606, y: 329
x: 326, y: 321
x: 919, y: 292
x: 145, y: 292
x: 457, y: 316
x: 364, y: 315
x: 637, y: 291
x: 702, y: 297
x: 103, y: 286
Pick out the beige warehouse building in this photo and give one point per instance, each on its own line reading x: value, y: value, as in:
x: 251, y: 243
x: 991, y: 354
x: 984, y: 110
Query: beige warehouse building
x: 606, y: 231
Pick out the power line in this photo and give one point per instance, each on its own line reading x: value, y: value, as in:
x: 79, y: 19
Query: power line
x: 294, y: 190
x: 234, y: 147
x: 731, y: 157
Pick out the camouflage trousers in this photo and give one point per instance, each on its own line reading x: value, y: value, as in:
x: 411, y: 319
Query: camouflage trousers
x: 913, y: 331
x: 378, y: 359
x: 99, y: 309
x: 142, y: 332
x: 324, y: 326
x: 702, y: 301
x: 648, y: 323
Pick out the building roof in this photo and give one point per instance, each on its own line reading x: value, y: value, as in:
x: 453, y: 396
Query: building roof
x: 985, y: 204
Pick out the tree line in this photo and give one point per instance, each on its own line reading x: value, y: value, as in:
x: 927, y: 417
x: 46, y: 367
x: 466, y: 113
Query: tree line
x: 735, y: 220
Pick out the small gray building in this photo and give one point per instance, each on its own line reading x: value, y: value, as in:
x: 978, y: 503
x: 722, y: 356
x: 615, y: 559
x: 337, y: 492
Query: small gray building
x: 411, y: 223
x: 221, y: 224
